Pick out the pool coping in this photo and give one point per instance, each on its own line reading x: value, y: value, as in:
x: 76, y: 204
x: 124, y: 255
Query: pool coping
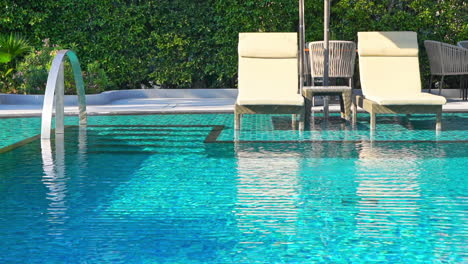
x: 161, y: 101
x: 194, y: 112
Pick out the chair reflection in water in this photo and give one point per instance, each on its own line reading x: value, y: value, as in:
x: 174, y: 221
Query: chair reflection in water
x: 266, y: 204
x: 388, y: 201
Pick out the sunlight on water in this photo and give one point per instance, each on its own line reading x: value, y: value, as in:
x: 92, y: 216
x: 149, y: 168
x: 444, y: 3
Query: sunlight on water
x: 124, y: 194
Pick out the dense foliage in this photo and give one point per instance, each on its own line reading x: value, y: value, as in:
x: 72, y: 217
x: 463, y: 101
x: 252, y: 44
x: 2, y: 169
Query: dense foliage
x: 32, y: 72
x: 193, y: 43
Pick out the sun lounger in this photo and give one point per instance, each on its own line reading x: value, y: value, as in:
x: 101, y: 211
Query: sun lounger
x: 268, y: 76
x: 390, y: 79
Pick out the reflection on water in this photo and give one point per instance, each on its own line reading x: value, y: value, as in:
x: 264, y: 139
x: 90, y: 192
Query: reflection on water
x: 82, y: 144
x: 55, y: 179
x: 352, y: 202
x: 268, y: 203
x: 266, y: 196
x: 266, y: 192
x: 390, y: 193
x: 339, y: 205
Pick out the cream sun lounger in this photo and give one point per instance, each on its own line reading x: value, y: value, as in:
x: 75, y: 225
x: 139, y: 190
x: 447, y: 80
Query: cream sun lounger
x: 390, y: 80
x: 268, y: 76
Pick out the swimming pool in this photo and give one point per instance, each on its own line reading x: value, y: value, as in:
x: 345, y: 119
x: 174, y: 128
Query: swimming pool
x: 178, y: 189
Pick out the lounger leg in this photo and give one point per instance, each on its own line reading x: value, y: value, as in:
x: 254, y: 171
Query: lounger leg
x: 461, y: 85
x: 441, y: 85
x: 354, y: 111
x: 430, y: 83
x: 293, y: 121
x: 465, y: 87
x: 347, y: 104
x: 301, y: 122
x: 308, y: 110
x: 237, y: 121
x: 342, y: 111
x: 372, y: 120
x: 326, y: 107
x: 439, y: 120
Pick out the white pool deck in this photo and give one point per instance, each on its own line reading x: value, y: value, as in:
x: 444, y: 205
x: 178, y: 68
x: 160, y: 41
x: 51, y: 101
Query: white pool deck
x: 147, y: 101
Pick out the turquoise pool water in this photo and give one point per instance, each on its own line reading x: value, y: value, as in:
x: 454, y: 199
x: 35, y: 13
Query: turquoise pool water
x: 176, y: 189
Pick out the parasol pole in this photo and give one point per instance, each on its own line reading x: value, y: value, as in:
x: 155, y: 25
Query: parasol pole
x: 326, y: 55
x: 301, y: 45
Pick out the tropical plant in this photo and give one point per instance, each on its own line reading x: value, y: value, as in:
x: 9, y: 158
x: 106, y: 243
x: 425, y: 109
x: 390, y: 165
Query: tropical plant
x: 11, y: 47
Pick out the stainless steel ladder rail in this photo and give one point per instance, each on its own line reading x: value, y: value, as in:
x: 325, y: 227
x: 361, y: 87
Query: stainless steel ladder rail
x: 55, y: 92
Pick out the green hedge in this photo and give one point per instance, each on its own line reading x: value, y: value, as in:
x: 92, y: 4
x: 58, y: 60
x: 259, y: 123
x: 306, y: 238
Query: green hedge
x: 193, y: 43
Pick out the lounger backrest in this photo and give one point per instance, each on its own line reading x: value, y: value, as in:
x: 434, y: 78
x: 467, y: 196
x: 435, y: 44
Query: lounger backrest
x: 268, y: 64
x: 388, y: 63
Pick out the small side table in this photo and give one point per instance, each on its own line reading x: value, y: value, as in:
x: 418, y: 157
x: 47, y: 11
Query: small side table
x: 344, y: 92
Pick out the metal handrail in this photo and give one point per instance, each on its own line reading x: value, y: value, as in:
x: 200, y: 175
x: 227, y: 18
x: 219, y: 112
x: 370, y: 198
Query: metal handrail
x: 55, y: 91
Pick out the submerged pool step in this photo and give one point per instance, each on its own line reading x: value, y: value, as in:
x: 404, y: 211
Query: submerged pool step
x: 136, y: 147
x: 139, y: 146
x: 147, y: 133
x: 145, y: 152
x: 142, y: 139
x: 153, y: 129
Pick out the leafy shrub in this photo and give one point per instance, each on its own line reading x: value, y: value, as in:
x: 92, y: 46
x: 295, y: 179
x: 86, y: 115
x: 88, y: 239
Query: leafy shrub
x: 33, y: 71
x: 181, y: 44
x: 95, y: 78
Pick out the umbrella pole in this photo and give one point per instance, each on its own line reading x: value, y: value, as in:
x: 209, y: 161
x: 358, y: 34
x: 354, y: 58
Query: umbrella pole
x: 326, y: 34
x: 301, y: 45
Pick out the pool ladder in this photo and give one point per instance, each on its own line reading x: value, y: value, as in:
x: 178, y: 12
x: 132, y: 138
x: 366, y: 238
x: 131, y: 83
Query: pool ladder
x: 55, y: 94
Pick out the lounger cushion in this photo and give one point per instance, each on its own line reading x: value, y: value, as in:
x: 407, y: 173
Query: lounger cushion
x: 412, y: 99
x: 269, y: 82
x: 395, y: 44
x: 268, y: 45
x: 397, y: 76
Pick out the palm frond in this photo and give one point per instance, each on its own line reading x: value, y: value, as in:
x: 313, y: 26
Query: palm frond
x: 11, y: 46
